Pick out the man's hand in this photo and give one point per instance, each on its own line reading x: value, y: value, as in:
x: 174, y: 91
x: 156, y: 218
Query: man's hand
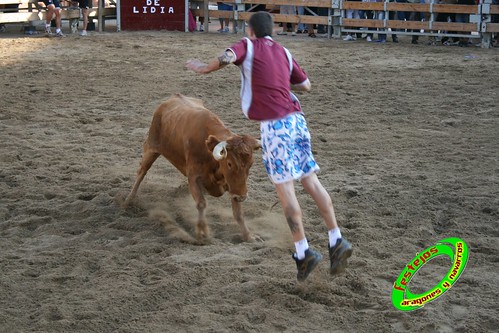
x: 304, y: 86
x: 197, y: 66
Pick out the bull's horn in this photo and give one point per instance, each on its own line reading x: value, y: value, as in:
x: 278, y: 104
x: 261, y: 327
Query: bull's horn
x: 258, y: 143
x: 220, y: 150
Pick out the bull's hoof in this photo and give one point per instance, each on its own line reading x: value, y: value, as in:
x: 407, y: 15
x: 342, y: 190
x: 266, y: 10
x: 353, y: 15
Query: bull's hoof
x: 202, y: 234
x: 253, y: 239
x: 202, y: 242
x: 126, y: 203
x: 122, y: 200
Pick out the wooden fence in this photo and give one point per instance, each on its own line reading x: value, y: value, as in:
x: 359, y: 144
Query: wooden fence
x: 28, y: 11
x: 480, y: 24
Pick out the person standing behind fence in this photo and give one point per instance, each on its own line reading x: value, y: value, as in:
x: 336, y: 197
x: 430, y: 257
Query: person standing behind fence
x: 226, y: 7
x: 53, y: 7
x: 447, y: 17
x: 398, y: 15
x: 85, y: 8
x: 380, y: 15
x: 369, y: 15
x: 269, y: 72
x: 310, y: 27
x: 198, y: 5
x: 287, y: 10
x: 352, y: 14
x: 301, y: 26
x: 464, y: 18
x: 415, y: 16
x: 495, y: 19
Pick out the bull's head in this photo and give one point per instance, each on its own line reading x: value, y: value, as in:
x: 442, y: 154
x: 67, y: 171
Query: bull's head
x: 235, y: 157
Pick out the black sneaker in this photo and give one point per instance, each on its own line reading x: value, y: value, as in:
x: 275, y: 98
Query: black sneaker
x: 338, y: 256
x: 306, y: 265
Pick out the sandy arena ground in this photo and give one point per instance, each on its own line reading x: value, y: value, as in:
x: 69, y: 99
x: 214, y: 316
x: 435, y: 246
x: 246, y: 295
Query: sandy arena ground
x: 408, y: 143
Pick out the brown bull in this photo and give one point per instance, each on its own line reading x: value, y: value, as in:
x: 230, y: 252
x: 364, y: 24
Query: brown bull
x: 198, y: 144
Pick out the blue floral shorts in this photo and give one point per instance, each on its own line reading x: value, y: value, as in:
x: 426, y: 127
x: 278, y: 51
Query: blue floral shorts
x: 286, y: 150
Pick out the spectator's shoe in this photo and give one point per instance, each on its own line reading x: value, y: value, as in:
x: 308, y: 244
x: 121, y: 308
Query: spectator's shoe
x: 395, y: 39
x: 381, y: 41
x: 293, y: 33
x: 282, y: 33
x: 83, y: 33
x: 306, y: 265
x: 201, y: 28
x: 311, y: 34
x: 299, y: 31
x: 414, y: 41
x: 338, y: 256
x: 226, y: 29
x: 369, y: 39
x: 59, y: 34
x: 348, y: 37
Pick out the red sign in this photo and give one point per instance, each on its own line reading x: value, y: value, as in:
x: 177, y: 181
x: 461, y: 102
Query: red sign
x: 153, y: 15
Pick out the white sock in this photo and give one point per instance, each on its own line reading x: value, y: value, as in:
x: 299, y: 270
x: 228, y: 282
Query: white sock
x: 57, y: 30
x: 301, y: 246
x: 334, y: 235
x: 47, y: 25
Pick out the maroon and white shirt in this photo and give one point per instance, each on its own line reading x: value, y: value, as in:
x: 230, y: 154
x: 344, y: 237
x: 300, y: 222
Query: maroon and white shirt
x: 267, y: 70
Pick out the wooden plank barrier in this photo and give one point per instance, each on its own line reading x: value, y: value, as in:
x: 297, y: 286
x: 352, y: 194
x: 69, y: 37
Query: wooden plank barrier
x: 279, y: 18
x: 66, y: 14
x: 380, y: 6
x: 456, y: 9
x: 428, y: 27
x: 492, y: 27
x: 357, y: 5
x: 305, y: 3
x: 337, y: 12
x: 489, y: 26
x: 10, y: 2
x: 244, y: 16
x: 28, y: 11
x: 335, y: 17
x: 23, y: 13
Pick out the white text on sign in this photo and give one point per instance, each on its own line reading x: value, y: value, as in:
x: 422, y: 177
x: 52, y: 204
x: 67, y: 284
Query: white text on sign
x: 152, y: 7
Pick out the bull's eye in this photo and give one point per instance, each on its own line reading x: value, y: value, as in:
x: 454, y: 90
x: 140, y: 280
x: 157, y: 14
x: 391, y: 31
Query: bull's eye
x: 229, y: 165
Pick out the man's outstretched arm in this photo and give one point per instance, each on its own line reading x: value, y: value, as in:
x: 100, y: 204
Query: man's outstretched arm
x: 215, y: 64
